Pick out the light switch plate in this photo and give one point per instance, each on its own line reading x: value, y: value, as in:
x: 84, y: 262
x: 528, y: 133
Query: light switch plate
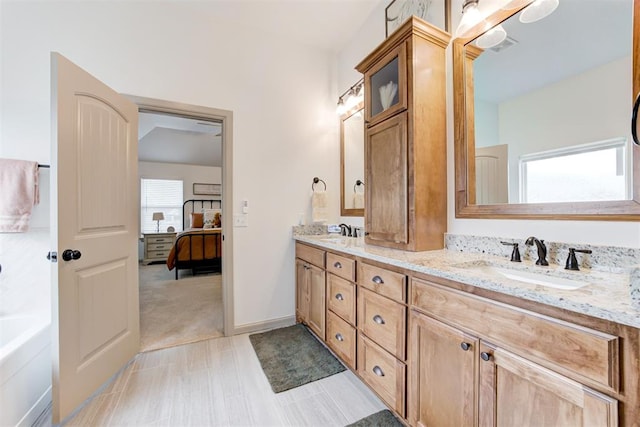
x: 241, y: 220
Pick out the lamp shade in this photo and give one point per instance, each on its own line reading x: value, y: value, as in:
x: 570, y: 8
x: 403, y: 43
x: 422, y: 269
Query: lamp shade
x: 158, y: 216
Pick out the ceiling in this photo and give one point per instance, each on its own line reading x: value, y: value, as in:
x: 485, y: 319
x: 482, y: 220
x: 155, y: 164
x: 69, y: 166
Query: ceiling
x: 573, y: 39
x: 170, y: 139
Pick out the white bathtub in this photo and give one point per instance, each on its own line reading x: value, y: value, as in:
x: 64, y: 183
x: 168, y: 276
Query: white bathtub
x: 25, y: 369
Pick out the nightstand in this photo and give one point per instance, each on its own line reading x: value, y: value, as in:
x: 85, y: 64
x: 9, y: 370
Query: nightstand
x: 157, y: 246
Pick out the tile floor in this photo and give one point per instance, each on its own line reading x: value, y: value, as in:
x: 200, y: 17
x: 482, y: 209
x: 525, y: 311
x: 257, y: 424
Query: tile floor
x: 219, y: 382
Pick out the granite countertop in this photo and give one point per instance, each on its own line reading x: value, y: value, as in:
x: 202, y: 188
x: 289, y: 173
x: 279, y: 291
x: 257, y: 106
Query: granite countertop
x: 607, y: 294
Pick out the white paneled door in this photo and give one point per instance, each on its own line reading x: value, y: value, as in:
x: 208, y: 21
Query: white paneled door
x: 94, y: 220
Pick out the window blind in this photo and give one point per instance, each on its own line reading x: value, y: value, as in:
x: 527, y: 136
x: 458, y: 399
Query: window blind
x: 161, y: 195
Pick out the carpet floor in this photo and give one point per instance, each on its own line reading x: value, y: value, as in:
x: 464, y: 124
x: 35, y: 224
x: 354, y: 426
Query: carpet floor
x: 292, y: 356
x: 175, y: 312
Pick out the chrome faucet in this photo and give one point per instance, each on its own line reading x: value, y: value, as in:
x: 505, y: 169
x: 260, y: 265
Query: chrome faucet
x: 542, y: 250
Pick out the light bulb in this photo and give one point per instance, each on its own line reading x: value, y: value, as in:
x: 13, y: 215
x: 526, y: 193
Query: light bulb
x: 341, y: 109
x: 537, y: 10
x: 470, y: 16
x: 491, y: 38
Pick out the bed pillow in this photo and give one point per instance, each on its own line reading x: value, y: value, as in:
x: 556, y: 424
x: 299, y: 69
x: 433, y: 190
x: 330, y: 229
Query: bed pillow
x: 209, y: 217
x: 197, y: 220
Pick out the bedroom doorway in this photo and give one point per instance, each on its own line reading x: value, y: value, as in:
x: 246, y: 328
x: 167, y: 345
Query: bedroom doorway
x: 184, y: 155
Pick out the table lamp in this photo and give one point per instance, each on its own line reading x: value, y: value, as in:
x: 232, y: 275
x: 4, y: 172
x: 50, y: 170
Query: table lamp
x: 158, y: 216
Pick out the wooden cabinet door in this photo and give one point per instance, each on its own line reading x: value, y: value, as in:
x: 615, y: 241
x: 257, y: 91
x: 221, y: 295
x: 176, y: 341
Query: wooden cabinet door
x: 386, y: 211
x: 442, y: 374
x: 517, y: 392
x: 302, y: 291
x: 317, y: 300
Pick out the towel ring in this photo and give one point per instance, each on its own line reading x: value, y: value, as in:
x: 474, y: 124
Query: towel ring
x: 317, y: 180
x: 357, y: 184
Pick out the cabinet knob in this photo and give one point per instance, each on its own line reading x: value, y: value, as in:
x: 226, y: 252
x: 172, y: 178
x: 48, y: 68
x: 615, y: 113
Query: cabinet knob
x: 339, y: 297
x: 379, y: 372
x: 378, y: 319
x: 339, y: 337
x: 337, y: 264
x: 485, y: 356
x: 377, y: 280
x: 465, y: 346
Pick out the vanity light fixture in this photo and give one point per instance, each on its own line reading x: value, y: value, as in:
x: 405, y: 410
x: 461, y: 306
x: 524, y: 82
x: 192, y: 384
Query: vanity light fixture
x: 470, y: 16
x: 537, y: 10
x: 492, y: 38
x: 351, y: 97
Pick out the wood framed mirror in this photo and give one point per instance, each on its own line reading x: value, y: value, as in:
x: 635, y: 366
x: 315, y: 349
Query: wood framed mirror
x: 512, y: 106
x: 352, y: 162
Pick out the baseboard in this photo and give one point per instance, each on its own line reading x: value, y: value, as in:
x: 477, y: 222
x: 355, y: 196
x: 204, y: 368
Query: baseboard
x: 265, y: 325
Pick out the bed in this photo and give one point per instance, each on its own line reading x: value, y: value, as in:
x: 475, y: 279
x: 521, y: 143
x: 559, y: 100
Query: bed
x: 199, y: 246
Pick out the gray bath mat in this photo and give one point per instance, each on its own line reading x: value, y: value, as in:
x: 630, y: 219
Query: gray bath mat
x: 291, y: 357
x: 379, y: 419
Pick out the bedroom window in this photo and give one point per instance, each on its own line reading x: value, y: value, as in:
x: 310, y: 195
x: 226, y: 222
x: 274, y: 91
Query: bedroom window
x: 160, y: 195
x: 597, y: 171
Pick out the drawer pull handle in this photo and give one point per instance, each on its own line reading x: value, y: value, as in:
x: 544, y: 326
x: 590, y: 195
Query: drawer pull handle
x: 465, y: 346
x: 378, y: 319
x: 337, y: 265
x: 377, y: 280
x: 485, y: 356
x: 378, y: 371
x: 339, y: 337
x: 339, y: 297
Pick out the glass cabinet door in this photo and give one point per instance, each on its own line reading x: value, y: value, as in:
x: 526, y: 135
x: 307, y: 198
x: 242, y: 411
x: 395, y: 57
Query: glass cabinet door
x: 385, y: 86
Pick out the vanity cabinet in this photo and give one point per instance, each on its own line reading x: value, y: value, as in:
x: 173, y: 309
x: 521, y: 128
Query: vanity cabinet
x: 311, y: 288
x: 405, y: 139
x: 438, y: 352
x: 473, y: 359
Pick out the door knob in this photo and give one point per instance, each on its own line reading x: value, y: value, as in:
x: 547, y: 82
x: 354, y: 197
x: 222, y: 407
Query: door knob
x: 70, y: 254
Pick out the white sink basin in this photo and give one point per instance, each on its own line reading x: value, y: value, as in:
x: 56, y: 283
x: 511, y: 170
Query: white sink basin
x: 541, y: 279
x: 332, y: 239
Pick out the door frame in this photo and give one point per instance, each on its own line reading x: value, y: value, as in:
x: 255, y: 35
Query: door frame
x: 152, y: 105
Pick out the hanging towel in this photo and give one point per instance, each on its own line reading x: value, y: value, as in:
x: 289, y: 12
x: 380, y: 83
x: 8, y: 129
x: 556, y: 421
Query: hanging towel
x: 18, y: 194
x: 319, y: 206
x: 358, y: 200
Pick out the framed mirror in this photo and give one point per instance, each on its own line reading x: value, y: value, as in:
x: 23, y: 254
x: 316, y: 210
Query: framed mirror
x: 352, y: 162
x: 542, y: 119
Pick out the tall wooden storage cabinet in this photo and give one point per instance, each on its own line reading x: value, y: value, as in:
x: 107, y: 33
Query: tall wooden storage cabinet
x: 405, y: 139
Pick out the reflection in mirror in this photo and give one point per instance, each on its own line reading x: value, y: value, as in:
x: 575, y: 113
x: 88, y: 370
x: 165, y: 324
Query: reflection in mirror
x: 543, y: 119
x: 556, y: 107
x: 352, y: 163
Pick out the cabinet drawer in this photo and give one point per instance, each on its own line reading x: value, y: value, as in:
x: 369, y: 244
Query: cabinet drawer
x: 553, y: 343
x: 309, y: 254
x: 159, y: 246
x: 383, y: 321
x: 157, y: 254
x: 159, y: 239
x: 341, y: 337
x: 341, y: 266
x: 383, y: 372
x: 384, y: 282
x: 341, y: 298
